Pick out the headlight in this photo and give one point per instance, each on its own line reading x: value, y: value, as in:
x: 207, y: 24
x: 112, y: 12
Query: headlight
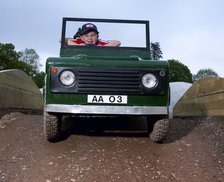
x: 67, y: 77
x: 149, y: 80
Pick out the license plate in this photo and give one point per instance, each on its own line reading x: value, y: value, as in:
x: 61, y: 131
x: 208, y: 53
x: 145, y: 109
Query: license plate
x: 107, y: 99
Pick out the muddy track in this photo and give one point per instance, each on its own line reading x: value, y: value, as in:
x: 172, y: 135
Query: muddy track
x: 109, y: 149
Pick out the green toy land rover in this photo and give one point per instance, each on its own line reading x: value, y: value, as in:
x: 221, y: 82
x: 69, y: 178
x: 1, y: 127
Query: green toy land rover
x: 105, y: 80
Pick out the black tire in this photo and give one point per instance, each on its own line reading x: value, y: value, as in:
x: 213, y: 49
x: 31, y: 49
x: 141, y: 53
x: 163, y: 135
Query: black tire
x: 52, y: 126
x: 159, y: 131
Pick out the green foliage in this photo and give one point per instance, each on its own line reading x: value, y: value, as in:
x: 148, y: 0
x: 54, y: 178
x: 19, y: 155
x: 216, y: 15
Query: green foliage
x: 156, y: 52
x: 179, y: 72
x: 27, y: 60
x: 30, y: 57
x: 39, y: 79
x: 22, y: 66
x: 202, y: 73
x: 7, y: 55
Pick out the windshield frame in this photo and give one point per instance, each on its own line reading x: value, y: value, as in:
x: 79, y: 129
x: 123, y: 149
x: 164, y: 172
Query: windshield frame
x: 94, y: 20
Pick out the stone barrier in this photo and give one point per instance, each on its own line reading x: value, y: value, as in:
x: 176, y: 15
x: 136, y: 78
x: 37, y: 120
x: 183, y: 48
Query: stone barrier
x: 204, y: 98
x: 19, y: 92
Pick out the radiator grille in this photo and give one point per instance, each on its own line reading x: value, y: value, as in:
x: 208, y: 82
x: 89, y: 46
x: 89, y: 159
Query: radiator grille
x: 108, y: 81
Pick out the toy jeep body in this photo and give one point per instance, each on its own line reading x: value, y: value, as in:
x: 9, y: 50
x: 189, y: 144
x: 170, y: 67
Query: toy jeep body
x: 108, y: 81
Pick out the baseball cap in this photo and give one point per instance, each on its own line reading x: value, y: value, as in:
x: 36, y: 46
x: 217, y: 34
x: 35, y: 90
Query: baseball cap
x: 87, y: 28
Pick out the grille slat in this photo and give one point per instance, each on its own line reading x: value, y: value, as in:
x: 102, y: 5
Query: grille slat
x: 96, y: 78
x: 109, y: 75
x: 107, y: 86
x: 109, y: 90
x: 114, y: 82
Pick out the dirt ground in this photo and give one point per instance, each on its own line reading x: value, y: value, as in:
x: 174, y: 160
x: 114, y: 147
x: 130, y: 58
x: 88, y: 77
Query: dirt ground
x: 111, y: 149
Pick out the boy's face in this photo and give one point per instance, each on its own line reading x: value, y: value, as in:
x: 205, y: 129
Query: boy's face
x: 90, y: 38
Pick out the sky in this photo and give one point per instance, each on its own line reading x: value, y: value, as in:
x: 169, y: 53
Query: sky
x: 190, y: 31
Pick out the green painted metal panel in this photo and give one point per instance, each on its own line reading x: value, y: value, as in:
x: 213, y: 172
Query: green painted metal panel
x: 111, y: 52
x: 106, y: 62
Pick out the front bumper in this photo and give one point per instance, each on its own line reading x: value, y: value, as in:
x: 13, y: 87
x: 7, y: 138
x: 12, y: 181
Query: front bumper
x: 106, y: 110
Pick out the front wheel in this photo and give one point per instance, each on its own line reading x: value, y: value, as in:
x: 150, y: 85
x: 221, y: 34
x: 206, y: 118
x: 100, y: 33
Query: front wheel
x: 159, y: 131
x: 52, y: 126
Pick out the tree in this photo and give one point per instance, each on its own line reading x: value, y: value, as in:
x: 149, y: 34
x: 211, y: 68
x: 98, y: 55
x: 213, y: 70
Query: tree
x: 202, y: 73
x: 30, y: 57
x: 39, y: 79
x: 7, y: 55
x: 16, y: 64
x: 156, y: 52
x: 179, y: 72
x: 27, y: 60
